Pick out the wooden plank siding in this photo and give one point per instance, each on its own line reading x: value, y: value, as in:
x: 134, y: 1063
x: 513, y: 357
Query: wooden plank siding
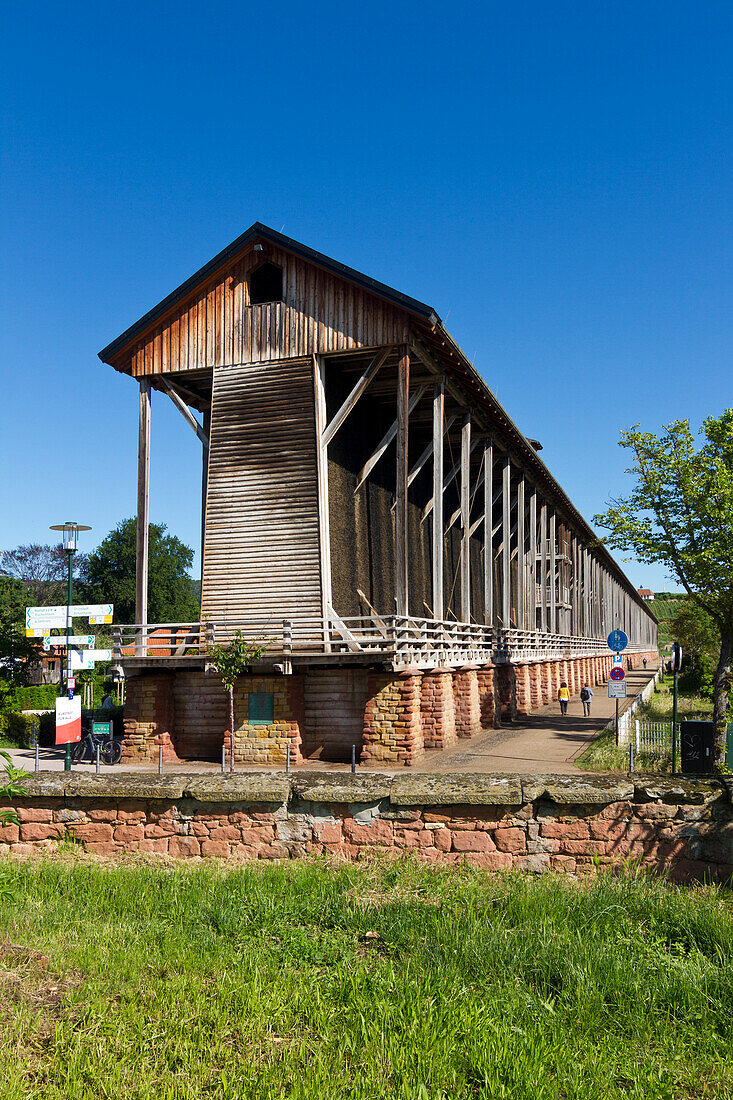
x: 219, y: 327
x: 261, y: 546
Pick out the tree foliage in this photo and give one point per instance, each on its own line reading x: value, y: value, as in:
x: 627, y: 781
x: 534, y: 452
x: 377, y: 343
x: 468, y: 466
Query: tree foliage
x: 111, y: 575
x: 16, y: 651
x: 43, y: 571
x: 680, y: 515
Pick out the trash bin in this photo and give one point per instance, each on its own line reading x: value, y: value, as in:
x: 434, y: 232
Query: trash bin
x: 697, y: 746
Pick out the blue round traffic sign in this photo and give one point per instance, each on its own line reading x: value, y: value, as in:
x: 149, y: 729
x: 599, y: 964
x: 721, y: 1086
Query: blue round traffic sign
x: 617, y: 640
x: 617, y: 673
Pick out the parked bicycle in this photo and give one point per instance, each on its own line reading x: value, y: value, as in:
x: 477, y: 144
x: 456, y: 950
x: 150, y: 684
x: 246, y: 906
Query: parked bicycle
x: 110, y: 751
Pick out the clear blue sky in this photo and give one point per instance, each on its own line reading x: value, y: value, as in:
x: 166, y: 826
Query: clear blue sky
x: 554, y: 178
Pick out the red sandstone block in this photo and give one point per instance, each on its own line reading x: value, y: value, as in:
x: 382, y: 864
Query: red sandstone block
x: 584, y: 847
x: 102, y: 815
x: 184, y: 846
x: 328, y: 833
x: 489, y: 861
x: 103, y: 848
x: 157, y: 831
x: 96, y: 833
x: 617, y: 809
x: 640, y: 830
x: 473, y: 842
x: 35, y: 831
x: 568, y: 830
x: 28, y: 814
x: 379, y: 832
x: 510, y: 840
x: 226, y: 833
x: 442, y: 839
x: 655, y: 811
x: 9, y: 834
x: 261, y: 835
x: 215, y: 849
x: 608, y: 830
x: 272, y: 851
x: 129, y: 834
x: 563, y: 863
x: 159, y: 845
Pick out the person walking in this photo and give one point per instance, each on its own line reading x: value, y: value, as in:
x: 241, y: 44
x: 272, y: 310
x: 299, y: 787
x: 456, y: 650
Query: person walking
x: 564, y: 697
x: 644, y: 660
x: 585, y: 697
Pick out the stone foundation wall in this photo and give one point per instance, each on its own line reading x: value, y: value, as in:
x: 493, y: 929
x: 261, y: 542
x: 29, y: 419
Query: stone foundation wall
x: 680, y: 827
x: 404, y: 715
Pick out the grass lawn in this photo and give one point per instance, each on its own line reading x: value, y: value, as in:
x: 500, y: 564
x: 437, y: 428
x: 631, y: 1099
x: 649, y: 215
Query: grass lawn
x: 603, y: 755
x: 371, y: 980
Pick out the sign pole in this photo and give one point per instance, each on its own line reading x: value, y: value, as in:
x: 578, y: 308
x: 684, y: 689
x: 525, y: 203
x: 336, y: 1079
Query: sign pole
x: 616, y: 723
x: 674, y: 725
x: 70, y: 601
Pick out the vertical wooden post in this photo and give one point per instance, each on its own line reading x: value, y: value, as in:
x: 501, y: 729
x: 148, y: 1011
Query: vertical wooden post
x: 489, y: 533
x: 204, y: 482
x: 466, y: 519
x: 438, y: 430
x: 543, y: 566
x: 143, y: 516
x: 324, y: 536
x: 532, y: 608
x: 521, y: 557
x: 506, y: 528
x: 553, y: 579
x: 401, y: 545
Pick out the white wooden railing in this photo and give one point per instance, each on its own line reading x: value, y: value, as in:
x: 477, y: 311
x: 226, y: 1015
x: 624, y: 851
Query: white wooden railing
x: 397, y: 640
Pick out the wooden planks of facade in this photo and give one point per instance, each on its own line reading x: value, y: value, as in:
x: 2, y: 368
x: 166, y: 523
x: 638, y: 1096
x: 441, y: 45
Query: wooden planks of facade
x: 218, y: 326
x: 261, y: 543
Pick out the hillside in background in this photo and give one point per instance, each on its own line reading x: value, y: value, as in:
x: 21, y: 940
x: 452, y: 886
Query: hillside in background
x: 665, y: 605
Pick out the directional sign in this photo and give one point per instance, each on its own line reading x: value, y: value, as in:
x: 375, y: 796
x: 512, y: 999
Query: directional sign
x: 617, y: 640
x: 56, y: 615
x: 617, y: 673
x: 63, y: 641
x: 45, y: 616
x: 616, y: 689
x: 83, y: 659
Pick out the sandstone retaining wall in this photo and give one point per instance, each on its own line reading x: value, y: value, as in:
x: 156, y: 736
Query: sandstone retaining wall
x: 578, y: 825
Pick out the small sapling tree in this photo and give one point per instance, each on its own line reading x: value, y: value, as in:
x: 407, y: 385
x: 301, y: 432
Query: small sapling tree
x: 680, y: 514
x: 10, y: 787
x: 232, y: 661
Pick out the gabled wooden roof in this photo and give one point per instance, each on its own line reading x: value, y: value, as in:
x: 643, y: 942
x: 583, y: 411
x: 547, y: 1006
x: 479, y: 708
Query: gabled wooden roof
x: 260, y: 232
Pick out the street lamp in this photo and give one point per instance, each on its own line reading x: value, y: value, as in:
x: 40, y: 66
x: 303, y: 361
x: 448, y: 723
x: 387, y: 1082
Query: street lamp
x: 70, y: 542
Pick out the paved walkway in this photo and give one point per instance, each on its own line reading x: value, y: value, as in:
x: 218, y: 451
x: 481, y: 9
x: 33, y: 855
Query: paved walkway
x: 542, y: 742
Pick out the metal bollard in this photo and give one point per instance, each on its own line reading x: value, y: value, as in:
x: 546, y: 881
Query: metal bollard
x: 97, y: 757
x: 287, y: 758
x: 631, y: 756
x: 37, y: 765
x: 353, y: 758
x: 223, y: 759
x: 160, y: 759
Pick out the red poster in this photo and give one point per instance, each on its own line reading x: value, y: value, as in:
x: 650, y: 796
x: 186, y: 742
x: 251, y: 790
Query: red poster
x: 68, y: 720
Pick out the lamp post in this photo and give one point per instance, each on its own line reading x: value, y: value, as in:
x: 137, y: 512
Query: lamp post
x: 70, y: 542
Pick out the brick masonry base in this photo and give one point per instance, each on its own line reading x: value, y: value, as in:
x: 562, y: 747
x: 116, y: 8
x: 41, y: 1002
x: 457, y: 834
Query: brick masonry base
x: 680, y: 827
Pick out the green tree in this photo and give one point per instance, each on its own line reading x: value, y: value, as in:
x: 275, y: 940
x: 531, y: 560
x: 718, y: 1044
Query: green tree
x: 699, y: 637
x: 16, y: 651
x: 680, y: 514
x: 111, y: 575
x: 232, y: 661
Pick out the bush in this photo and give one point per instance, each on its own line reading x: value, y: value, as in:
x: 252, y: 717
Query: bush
x: 42, y: 697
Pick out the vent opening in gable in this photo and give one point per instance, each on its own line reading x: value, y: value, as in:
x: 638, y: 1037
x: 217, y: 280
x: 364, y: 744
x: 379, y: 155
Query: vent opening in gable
x: 266, y: 284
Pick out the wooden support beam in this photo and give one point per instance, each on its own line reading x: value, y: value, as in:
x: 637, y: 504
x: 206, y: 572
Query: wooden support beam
x: 143, y: 514
x: 532, y: 605
x: 487, y: 519
x: 543, y: 567
x: 204, y: 484
x: 425, y: 455
x: 506, y: 543
x: 521, y: 559
x: 553, y: 577
x: 350, y: 403
x: 465, y: 492
x: 401, y: 516
x: 324, y: 532
x: 386, y: 440
x: 185, y: 412
x: 439, y: 429
x: 450, y: 477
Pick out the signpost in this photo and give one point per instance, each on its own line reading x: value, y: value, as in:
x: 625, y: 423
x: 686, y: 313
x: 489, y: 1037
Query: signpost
x: 675, y: 663
x: 617, y: 641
